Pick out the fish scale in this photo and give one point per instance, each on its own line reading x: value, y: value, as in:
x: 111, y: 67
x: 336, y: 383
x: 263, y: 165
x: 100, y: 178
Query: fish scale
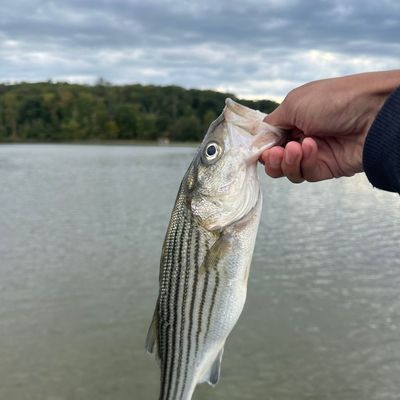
x: 172, y: 366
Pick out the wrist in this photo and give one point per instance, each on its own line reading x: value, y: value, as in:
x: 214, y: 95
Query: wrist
x: 380, y: 83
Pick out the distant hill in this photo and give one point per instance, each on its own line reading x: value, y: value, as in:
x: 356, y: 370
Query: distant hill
x: 51, y: 112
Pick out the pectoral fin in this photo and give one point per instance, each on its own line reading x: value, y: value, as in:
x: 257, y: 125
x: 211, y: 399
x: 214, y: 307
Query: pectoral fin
x: 212, y: 375
x: 216, y: 254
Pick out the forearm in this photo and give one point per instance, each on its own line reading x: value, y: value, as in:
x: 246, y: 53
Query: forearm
x: 367, y: 94
x: 381, y: 83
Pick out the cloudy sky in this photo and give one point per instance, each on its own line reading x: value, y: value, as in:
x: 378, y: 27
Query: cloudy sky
x: 253, y: 48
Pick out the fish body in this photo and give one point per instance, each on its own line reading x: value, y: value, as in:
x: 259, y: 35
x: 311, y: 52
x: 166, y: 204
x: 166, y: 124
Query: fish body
x: 207, y: 252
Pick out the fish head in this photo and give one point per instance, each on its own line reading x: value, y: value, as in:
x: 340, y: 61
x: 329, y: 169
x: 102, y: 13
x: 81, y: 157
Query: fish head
x: 222, y: 182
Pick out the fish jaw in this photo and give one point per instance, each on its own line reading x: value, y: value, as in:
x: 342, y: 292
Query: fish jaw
x: 249, y: 132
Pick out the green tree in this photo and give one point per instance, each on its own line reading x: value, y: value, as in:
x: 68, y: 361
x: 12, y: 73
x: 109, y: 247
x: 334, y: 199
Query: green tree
x: 47, y: 111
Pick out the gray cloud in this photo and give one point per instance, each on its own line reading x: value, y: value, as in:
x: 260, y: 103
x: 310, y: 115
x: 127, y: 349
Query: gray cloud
x: 250, y: 47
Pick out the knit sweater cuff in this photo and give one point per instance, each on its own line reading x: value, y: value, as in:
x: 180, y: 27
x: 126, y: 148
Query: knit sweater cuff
x: 381, y: 154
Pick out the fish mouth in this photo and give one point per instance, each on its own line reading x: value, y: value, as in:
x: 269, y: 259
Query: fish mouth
x: 248, y: 131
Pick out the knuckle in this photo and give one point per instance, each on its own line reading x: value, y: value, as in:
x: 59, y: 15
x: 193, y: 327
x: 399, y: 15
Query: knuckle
x: 273, y: 173
x: 294, y: 174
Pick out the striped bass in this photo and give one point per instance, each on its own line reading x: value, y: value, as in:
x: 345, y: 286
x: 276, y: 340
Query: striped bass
x: 207, y: 251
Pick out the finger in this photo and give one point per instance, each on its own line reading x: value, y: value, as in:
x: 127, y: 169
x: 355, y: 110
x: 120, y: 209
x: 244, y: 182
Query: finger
x: 321, y: 168
x: 279, y: 117
x: 273, y: 160
x: 309, y: 163
x: 291, y: 162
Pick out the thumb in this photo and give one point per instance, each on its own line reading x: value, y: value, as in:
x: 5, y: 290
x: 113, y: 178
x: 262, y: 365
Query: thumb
x: 280, y: 117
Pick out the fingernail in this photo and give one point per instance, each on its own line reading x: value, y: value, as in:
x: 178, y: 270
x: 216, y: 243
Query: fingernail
x: 274, y: 161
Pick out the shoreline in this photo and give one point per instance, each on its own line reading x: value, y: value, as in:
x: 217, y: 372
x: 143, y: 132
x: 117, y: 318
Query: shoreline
x: 149, y: 143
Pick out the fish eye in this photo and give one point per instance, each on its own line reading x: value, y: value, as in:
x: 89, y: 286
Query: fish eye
x: 212, y: 151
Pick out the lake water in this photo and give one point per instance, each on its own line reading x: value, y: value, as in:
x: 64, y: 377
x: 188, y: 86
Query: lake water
x: 81, y: 228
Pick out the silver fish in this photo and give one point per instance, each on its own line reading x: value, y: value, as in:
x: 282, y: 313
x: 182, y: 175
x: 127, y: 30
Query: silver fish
x: 207, y: 251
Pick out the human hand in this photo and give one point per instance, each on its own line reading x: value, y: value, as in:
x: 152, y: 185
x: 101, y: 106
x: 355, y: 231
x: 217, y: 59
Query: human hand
x: 328, y: 120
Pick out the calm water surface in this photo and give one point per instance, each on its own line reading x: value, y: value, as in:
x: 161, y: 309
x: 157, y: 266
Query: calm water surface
x: 81, y: 229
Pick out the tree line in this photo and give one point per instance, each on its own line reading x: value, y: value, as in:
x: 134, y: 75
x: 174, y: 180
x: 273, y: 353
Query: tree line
x: 54, y: 112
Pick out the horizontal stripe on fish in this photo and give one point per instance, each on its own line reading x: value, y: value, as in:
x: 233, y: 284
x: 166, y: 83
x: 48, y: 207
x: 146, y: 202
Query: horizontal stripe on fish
x: 176, y: 301
x: 201, y: 309
x: 171, y: 298
x: 179, y: 252
x: 164, y: 324
x: 196, y: 263
x: 188, y: 311
x: 165, y: 283
x: 212, y: 304
x: 183, y: 319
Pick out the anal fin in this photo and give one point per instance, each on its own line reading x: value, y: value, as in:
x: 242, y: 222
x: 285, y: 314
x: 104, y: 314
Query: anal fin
x: 152, y: 334
x: 212, y: 375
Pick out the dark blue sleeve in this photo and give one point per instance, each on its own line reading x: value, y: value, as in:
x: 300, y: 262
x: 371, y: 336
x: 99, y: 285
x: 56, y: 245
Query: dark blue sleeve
x: 381, y: 154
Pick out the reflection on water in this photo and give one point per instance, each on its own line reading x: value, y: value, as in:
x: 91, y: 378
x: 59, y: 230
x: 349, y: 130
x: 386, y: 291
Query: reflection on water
x: 81, y: 229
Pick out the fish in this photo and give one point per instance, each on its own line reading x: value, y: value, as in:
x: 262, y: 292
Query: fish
x: 207, y: 251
